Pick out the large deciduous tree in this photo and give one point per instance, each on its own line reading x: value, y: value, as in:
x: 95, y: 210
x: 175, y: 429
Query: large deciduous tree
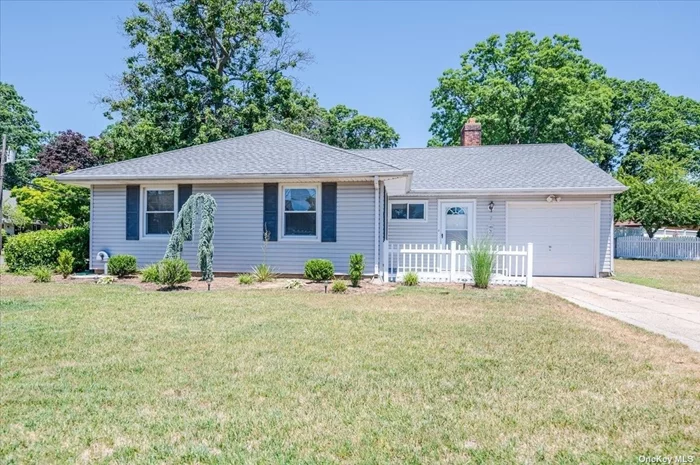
x: 205, y: 70
x: 67, y: 151
x: 344, y: 127
x: 659, y: 194
x: 54, y: 204
x: 525, y: 90
x: 17, y: 122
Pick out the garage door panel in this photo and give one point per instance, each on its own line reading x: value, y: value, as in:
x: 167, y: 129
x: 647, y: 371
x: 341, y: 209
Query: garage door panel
x: 563, y: 237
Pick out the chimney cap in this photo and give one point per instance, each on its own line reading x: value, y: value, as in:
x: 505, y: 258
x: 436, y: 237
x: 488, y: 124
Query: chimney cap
x: 472, y: 120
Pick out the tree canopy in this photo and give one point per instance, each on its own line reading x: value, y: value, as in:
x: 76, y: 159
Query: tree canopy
x: 658, y: 195
x: 206, y: 70
x: 17, y: 122
x: 54, y: 204
x: 67, y: 151
x: 525, y: 90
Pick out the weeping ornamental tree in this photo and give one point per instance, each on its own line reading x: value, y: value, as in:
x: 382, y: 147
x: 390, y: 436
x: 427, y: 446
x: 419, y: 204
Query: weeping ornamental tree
x: 203, y: 205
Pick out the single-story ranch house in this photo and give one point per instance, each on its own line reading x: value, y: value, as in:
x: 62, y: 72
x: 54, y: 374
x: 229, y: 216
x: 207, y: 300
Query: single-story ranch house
x: 318, y: 201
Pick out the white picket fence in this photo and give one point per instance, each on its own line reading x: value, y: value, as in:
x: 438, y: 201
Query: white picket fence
x: 675, y: 248
x: 440, y: 263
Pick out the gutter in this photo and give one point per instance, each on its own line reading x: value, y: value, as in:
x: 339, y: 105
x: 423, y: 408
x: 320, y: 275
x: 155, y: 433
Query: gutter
x: 508, y: 191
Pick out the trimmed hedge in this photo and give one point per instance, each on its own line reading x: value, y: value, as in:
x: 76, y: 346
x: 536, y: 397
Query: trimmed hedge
x: 40, y: 248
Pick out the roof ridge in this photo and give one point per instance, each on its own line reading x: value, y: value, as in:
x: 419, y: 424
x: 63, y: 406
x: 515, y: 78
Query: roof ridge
x: 462, y: 147
x: 346, y: 151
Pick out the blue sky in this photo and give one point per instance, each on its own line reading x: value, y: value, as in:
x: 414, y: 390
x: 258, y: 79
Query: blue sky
x: 382, y: 58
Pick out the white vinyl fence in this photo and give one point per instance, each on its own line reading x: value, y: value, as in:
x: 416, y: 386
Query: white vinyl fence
x: 440, y: 263
x: 672, y: 248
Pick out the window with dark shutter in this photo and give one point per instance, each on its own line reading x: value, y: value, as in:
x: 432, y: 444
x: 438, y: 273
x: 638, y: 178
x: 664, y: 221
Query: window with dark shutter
x: 270, y: 194
x: 329, y: 200
x: 133, y: 201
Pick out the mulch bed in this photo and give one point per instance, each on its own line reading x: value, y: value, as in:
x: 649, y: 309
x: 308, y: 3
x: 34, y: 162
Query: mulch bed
x: 367, y: 286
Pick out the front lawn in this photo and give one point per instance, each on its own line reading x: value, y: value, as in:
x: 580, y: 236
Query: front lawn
x: 675, y: 276
x: 111, y: 373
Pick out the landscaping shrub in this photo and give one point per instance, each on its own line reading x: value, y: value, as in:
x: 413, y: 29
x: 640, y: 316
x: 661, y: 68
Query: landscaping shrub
x: 293, y: 284
x: 121, y: 265
x: 356, y: 268
x: 65, y: 262
x: 410, y: 279
x: 339, y: 286
x: 318, y: 269
x: 482, y: 256
x: 41, y: 274
x: 262, y: 273
x: 150, y: 274
x: 172, y: 271
x: 106, y: 280
x: 245, y: 279
x: 40, y: 248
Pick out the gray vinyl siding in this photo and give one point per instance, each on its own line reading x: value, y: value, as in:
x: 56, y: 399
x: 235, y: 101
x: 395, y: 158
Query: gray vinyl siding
x: 238, y: 243
x: 492, y: 224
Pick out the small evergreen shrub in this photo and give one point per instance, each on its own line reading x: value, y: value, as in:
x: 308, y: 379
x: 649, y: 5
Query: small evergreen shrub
x: 41, y: 274
x: 293, y: 284
x: 356, y: 268
x: 245, y: 279
x: 65, y: 263
x: 150, y: 274
x: 318, y: 269
x: 482, y: 256
x: 410, y: 279
x: 31, y: 249
x: 339, y: 286
x: 172, y: 271
x: 122, y: 265
x: 263, y: 273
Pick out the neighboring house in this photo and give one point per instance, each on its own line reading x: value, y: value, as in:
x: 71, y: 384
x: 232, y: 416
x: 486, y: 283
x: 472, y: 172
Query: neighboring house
x: 630, y: 228
x: 318, y: 201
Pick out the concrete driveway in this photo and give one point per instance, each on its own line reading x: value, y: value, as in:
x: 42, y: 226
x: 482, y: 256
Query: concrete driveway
x: 674, y: 315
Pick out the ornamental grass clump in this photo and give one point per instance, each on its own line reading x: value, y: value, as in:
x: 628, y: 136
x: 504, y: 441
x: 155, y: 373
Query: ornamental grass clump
x: 482, y: 256
x: 263, y: 273
x: 172, y: 271
x: 339, y: 287
x: 150, y: 274
x: 410, y: 279
x: 41, y: 274
x: 245, y: 279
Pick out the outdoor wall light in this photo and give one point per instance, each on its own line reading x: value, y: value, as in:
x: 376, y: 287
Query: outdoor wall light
x: 491, y: 205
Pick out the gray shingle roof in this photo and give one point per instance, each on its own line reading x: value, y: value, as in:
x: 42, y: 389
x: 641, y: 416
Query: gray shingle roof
x: 496, y: 167
x: 273, y: 152
x: 262, y: 153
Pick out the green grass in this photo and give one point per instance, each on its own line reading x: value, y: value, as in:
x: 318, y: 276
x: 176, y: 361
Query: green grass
x: 674, y: 276
x: 113, y: 374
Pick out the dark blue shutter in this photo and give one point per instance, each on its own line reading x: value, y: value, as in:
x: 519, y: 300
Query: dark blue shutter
x: 329, y: 202
x: 183, y: 193
x: 270, y: 202
x: 133, y: 203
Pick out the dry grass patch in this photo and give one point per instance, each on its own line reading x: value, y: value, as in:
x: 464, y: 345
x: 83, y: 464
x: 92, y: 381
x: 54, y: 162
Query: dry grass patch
x: 675, y: 276
x: 427, y: 375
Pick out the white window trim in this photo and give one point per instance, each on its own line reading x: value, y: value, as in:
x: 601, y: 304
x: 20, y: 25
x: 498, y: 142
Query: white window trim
x: 142, y: 216
x: 407, y: 202
x: 280, y: 215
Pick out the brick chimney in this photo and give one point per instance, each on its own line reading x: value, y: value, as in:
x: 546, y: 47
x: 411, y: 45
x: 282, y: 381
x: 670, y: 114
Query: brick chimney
x: 471, y: 133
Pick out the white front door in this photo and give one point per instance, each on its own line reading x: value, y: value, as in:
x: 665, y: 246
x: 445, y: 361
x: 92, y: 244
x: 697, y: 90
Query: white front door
x: 456, y: 222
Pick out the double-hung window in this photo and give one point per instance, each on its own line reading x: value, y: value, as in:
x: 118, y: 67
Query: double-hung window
x: 159, y: 211
x: 300, y: 211
x: 408, y: 211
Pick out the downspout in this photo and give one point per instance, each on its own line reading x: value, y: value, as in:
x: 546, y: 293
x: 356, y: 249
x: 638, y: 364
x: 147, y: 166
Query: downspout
x: 376, y: 225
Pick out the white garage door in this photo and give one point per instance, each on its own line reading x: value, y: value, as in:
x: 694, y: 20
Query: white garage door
x: 563, y: 236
